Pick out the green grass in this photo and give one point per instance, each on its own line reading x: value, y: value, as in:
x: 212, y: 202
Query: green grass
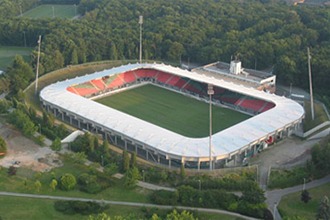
x: 46, y: 11
x: 116, y: 191
x: 25, y: 208
x: 7, y: 55
x: 173, y: 111
x: 291, y: 205
x: 320, y: 116
x: 35, y: 209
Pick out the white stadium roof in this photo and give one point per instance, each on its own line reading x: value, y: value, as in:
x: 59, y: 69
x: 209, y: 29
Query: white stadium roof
x: 285, y: 113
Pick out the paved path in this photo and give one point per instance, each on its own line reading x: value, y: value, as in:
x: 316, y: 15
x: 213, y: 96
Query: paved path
x: 146, y: 185
x: 111, y: 202
x: 274, y: 196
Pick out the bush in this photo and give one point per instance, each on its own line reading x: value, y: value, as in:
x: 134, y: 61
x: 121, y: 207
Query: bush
x: 88, y: 183
x: 84, y: 208
x: 164, y: 197
x: 68, y: 182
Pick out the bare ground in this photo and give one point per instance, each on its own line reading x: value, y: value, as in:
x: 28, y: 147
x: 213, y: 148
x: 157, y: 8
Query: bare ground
x: 25, y: 152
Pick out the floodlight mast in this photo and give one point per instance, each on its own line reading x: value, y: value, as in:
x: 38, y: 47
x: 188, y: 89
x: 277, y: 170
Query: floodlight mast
x: 37, y: 72
x: 210, y: 92
x: 140, y: 22
x: 310, y: 83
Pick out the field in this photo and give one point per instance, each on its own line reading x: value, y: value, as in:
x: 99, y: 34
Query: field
x: 51, y: 11
x: 292, y: 206
x: 320, y: 116
x: 173, y: 111
x: 7, y: 55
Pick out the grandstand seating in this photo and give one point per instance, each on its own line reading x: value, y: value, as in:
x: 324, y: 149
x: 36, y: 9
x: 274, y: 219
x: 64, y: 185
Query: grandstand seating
x: 163, y: 77
x: 115, y: 81
x: 173, y: 80
x: 230, y: 97
x: 98, y: 83
x: 128, y: 77
x: 252, y: 104
x: 179, y: 84
x: 268, y: 106
x: 141, y: 73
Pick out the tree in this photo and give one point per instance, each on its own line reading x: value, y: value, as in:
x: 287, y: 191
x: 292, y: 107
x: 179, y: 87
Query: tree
x: 56, y: 144
x: 37, y: 184
x: 53, y: 184
x: 184, y: 215
x: 68, y: 181
x: 125, y: 163
x: 131, y: 177
x: 323, y: 211
x: 182, y: 172
x: 305, y: 196
x: 133, y: 160
x: 3, y: 146
x: 20, y: 74
x: 254, y: 195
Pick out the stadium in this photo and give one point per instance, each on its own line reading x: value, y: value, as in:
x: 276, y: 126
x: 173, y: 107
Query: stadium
x: 270, y: 117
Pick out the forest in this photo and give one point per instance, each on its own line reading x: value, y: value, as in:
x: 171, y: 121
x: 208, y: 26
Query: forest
x: 263, y: 34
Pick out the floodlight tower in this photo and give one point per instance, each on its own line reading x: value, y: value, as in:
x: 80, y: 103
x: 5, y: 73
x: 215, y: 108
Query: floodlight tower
x: 140, y: 23
x: 37, y: 73
x: 310, y: 82
x: 210, y: 92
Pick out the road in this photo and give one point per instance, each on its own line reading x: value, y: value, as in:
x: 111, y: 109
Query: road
x: 273, y: 197
x: 135, y: 204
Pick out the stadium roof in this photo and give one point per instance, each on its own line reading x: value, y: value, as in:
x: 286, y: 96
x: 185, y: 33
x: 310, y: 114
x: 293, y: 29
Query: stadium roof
x: 285, y: 113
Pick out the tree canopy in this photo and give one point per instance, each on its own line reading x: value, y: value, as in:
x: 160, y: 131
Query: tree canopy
x: 263, y: 34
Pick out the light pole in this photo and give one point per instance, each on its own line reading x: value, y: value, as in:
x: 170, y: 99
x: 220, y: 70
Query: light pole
x: 102, y: 161
x: 140, y: 23
x: 310, y: 83
x: 37, y: 73
x: 274, y: 211
x: 210, y: 92
x: 290, y: 90
x: 20, y: 9
x: 304, y: 185
x: 199, y: 185
x: 143, y: 175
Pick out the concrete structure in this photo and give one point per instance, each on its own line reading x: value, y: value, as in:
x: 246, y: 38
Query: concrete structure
x: 165, y: 147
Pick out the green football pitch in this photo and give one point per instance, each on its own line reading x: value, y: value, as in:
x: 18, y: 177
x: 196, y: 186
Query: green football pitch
x: 52, y: 11
x: 172, y: 111
x: 7, y: 55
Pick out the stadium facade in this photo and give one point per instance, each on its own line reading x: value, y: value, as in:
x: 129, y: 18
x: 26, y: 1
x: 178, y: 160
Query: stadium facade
x: 274, y: 117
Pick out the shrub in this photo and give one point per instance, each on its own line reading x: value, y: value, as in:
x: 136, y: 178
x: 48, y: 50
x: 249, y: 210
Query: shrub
x: 164, y: 197
x: 84, y: 208
x: 68, y: 181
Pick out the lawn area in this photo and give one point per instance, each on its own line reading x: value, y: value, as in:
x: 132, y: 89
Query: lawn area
x: 320, y: 116
x: 40, y: 209
x: 24, y: 180
x: 51, y: 11
x: 173, y: 111
x: 291, y: 205
x: 7, y: 55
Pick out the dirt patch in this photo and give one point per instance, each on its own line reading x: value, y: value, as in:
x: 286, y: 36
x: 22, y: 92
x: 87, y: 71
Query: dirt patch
x: 23, y: 152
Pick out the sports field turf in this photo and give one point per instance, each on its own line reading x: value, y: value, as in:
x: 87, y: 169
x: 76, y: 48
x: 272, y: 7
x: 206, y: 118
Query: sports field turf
x: 46, y: 11
x: 173, y: 111
x: 7, y: 55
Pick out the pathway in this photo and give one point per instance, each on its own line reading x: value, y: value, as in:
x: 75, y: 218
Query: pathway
x: 274, y: 196
x: 111, y: 202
